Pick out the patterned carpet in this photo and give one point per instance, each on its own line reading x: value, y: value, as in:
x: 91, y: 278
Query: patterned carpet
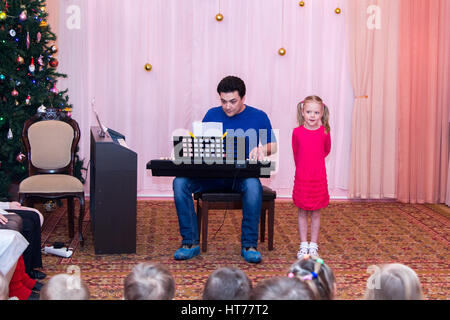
x: 354, y: 235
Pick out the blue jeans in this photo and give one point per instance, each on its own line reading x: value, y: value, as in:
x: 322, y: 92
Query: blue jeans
x: 250, y: 189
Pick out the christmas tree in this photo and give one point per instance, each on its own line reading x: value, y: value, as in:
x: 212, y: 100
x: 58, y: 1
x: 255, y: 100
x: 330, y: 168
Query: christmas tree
x: 28, y: 79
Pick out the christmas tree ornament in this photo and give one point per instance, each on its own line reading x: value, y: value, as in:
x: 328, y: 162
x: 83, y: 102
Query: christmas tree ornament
x: 23, y: 15
x: 42, y: 109
x: 54, y: 49
x: 41, y: 60
x: 16, y: 103
x: 282, y: 51
x: 28, y: 40
x: 38, y: 37
x: 10, y: 135
x: 301, y: 3
x: 28, y: 100
x: 148, y: 67
x: 50, y: 206
x: 12, y: 33
x: 53, y: 62
x: 338, y: 11
x: 219, y: 17
x: 20, y: 60
x: 2, y: 77
x: 54, y: 89
x: 2, y: 16
x: 32, y: 67
x: 20, y: 157
x: 43, y: 24
x: 14, y: 93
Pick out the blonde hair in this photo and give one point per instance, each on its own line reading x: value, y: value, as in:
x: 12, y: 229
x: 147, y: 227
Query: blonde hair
x: 394, y: 282
x: 65, y: 287
x: 148, y: 281
x: 326, y: 112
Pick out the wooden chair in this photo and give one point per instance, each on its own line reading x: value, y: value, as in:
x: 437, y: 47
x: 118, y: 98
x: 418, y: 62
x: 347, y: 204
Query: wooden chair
x: 50, y: 140
x: 229, y: 200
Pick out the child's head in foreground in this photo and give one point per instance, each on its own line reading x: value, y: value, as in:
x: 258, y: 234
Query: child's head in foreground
x: 394, y: 282
x: 149, y: 281
x: 227, y: 283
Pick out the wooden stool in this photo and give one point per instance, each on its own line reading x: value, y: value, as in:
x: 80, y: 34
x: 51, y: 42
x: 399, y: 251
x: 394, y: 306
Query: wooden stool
x: 231, y: 200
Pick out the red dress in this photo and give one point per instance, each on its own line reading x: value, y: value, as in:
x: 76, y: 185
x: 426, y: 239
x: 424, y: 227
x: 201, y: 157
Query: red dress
x: 310, y: 149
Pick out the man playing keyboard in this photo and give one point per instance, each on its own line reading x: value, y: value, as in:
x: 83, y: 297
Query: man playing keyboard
x: 238, y: 118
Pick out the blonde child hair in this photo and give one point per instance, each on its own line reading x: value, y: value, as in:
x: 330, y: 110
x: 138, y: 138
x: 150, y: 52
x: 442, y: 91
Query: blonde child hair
x: 326, y: 112
x: 149, y: 281
x: 317, y: 275
x: 65, y: 287
x: 394, y: 281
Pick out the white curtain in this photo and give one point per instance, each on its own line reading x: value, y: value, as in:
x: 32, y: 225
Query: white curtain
x: 190, y: 53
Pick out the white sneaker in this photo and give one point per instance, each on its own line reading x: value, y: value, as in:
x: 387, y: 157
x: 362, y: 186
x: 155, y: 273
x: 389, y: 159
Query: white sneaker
x: 313, y: 249
x: 304, y: 250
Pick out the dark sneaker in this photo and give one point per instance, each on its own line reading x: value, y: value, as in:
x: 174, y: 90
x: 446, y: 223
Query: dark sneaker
x: 187, y: 252
x: 251, y: 255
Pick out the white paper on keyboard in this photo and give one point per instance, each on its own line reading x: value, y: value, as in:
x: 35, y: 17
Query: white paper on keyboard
x: 207, y: 129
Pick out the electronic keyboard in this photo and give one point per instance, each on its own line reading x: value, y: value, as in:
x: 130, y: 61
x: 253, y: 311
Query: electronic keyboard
x: 217, y: 169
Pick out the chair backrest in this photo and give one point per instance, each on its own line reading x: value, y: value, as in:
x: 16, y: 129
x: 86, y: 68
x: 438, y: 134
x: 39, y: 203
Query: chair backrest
x: 50, y: 140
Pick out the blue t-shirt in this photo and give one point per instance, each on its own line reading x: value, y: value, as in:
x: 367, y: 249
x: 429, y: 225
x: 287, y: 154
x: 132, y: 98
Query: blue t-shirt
x: 252, y: 123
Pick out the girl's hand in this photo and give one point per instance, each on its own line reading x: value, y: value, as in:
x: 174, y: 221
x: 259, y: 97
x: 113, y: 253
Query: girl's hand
x: 3, y: 219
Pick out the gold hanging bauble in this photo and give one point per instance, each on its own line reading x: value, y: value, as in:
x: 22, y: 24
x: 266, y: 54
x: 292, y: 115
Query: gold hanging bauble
x: 219, y: 17
x: 43, y: 23
x: 148, y: 67
x: 282, y: 51
x: 301, y: 3
x: 338, y: 11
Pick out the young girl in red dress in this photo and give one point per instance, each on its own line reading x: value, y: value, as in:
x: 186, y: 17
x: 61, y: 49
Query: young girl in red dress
x: 311, y: 143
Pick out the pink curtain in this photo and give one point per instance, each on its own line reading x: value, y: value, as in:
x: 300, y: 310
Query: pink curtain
x: 447, y: 197
x: 53, y: 15
x: 424, y: 101
x: 190, y: 53
x: 373, y: 53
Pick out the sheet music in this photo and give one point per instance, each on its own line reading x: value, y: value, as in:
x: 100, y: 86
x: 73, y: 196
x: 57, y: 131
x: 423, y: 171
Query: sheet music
x: 207, y: 129
x: 100, y: 124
